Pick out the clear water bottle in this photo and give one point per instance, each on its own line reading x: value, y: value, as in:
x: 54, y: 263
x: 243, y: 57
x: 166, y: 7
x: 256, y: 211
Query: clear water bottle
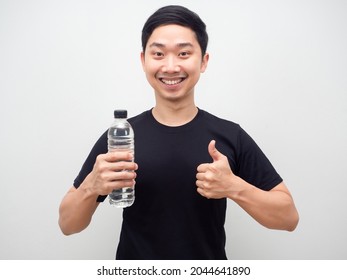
x: 121, y: 137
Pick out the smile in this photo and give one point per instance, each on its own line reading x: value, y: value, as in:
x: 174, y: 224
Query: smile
x: 172, y: 82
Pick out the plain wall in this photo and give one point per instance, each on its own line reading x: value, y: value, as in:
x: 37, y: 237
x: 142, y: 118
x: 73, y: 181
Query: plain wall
x: 278, y: 68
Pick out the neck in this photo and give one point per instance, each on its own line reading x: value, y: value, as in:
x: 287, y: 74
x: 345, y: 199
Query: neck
x: 174, y: 115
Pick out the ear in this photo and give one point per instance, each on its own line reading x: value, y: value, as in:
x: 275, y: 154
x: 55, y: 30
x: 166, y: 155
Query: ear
x: 204, y: 62
x: 143, y: 60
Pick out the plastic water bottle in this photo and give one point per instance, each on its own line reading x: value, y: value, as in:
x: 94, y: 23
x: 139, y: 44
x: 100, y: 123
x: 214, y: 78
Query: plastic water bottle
x: 121, y: 137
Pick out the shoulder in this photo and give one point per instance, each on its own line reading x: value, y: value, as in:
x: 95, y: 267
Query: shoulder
x: 211, y: 119
x: 227, y: 130
x: 140, y: 118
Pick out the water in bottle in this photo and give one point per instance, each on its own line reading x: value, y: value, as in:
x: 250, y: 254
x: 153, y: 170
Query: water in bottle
x: 121, y: 137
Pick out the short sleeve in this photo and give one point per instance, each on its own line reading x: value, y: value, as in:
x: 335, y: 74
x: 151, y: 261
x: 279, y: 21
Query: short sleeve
x: 253, y: 166
x: 100, y: 147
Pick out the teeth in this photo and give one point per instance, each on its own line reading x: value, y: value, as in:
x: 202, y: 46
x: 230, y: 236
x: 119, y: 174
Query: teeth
x: 171, y: 82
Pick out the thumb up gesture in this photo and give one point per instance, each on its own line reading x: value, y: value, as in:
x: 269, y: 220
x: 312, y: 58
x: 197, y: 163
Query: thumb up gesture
x: 215, y: 180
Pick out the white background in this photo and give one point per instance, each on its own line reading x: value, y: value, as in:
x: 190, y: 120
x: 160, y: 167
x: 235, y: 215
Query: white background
x: 278, y: 68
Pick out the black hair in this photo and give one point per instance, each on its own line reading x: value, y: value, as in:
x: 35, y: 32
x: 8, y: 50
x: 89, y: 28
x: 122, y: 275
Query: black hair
x: 174, y: 14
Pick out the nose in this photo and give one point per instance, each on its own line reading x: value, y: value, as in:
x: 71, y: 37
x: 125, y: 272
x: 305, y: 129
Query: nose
x: 171, y: 64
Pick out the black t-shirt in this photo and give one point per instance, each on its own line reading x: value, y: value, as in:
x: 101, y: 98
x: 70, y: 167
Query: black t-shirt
x: 169, y: 219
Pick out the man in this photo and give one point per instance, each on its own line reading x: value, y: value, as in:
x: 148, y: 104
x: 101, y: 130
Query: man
x: 188, y: 162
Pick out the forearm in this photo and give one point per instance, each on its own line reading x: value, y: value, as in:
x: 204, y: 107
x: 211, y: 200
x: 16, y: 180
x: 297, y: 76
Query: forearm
x: 273, y: 209
x: 76, y: 210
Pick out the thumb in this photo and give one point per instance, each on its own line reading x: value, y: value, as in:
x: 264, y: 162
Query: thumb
x: 212, y: 150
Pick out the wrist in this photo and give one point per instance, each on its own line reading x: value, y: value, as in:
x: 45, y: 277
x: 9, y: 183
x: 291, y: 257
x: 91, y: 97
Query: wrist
x: 87, y: 188
x: 238, y: 189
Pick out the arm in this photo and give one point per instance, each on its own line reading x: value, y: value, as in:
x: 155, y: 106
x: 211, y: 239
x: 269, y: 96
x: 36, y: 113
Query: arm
x: 78, y: 205
x: 76, y: 210
x: 274, y: 209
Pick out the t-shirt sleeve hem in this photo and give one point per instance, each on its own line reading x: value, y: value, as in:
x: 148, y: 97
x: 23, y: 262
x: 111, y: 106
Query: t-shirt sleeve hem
x: 272, y: 184
x: 100, y: 198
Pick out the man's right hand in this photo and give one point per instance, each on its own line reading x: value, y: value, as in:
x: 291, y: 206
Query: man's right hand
x: 111, y: 171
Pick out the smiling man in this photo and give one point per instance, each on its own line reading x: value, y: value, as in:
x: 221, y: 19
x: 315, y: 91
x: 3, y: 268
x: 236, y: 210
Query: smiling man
x: 173, y: 61
x: 188, y: 162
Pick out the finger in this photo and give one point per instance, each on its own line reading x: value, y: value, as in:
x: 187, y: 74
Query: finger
x: 115, y: 156
x: 120, y: 184
x: 199, y: 184
x: 203, y: 193
x: 214, y: 153
x: 203, y: 184
x: 200, y: 176
x: 123, y: 165
x: 112, y: 176
x: 123, y: 175
x: 203, y: 167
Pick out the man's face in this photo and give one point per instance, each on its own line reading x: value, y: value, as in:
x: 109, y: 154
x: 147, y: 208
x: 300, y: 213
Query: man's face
x: 173, y: 62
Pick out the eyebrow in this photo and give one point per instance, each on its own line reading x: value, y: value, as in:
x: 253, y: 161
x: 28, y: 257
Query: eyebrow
x: 180, y: 45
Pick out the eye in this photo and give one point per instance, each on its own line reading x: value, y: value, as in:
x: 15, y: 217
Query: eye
x: 158, y: 54
x: 184, y: 54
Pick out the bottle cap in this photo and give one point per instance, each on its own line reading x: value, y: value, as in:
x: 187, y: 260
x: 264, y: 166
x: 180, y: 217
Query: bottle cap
x: 120, y: 114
